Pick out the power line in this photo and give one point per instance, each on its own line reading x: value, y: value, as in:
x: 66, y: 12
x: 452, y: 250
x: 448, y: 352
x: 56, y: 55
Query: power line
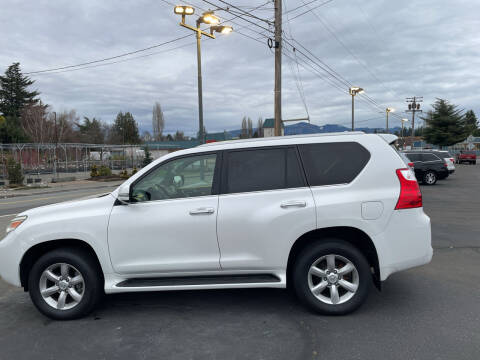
x: 108, y: 58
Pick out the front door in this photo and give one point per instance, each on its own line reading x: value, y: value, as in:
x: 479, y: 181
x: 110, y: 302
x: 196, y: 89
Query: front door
x: 170, y: 224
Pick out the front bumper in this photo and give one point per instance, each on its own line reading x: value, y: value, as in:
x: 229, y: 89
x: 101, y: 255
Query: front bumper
x: 11, y: 254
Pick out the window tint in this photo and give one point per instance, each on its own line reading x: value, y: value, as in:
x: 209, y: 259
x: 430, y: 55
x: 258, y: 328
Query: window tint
x: 263, y: 169
x: 414, y: 157
x: 333, y: 163
x: 429, y: 157
x: 184, y: 177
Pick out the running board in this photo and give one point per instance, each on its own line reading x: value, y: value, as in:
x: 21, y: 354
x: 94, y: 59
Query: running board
x: 199, y: 280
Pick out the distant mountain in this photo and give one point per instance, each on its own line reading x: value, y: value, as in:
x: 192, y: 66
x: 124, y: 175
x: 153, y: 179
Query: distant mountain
x: 307, y: 128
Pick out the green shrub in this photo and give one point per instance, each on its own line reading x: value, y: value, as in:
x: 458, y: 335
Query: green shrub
x: 14, y: 170
x: 134, y: 171
x: 124, y: 174
x: 104, y: 171
x: 93, y: 171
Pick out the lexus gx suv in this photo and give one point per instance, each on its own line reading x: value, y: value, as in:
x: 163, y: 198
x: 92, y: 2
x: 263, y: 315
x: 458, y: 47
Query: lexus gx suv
x: 325, y: 215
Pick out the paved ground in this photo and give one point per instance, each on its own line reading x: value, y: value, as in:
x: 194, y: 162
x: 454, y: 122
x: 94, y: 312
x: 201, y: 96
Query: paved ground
x: 431, y: 312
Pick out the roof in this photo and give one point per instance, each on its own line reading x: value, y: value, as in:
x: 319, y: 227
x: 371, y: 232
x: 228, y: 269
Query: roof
x: 270, y: 123
x: 283, y: 138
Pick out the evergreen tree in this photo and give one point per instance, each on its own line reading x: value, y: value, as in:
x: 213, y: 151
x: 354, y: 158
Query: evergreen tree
x: 445, y: 124
x: 471, y: 122
x: 125, y: 129
x: 91, y: 131
x: 148, y: 157
x: 14, y: 94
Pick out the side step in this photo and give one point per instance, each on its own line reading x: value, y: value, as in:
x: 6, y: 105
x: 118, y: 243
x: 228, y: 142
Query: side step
x: 199, y: 280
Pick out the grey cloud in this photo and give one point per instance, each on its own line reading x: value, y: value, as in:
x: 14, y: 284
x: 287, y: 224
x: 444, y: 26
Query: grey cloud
x: 427, y: 48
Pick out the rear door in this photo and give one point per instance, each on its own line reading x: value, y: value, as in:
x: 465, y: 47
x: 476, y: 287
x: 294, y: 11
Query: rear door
x: 264, y: 206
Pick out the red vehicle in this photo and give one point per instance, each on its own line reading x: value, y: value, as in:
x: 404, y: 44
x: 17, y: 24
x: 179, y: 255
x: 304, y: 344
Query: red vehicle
x: 466, y: 156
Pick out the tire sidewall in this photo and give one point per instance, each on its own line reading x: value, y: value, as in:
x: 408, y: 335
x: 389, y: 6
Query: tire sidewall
x: 331, y: 246
x: 82, y: 262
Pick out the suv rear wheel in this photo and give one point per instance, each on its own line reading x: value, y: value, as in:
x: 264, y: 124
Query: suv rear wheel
x: 429, y: 178
x: 65, y: 284
x: 332, y: 277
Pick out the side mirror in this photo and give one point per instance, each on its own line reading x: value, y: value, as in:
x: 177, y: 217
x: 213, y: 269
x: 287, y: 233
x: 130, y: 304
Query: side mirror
x: 124, y: 194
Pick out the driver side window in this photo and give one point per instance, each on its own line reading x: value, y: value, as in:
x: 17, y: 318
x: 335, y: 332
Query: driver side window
x: 185, y: 177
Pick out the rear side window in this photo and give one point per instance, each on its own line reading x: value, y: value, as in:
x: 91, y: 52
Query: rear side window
x: 429, y: 157
x: 263, y: 169
x: 414, y: 157
x: 333, y: 163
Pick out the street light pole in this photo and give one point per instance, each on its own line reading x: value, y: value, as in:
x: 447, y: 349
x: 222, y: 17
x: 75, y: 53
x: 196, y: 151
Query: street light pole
x: 354, y: 91
x: 208, y: 18
x: 201, y: 135
x: 388, y: 111
x: 403, y: 133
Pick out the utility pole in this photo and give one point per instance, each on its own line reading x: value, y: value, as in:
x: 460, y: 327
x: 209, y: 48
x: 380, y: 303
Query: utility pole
x: 56, y: 145
x: 278, y: 68
x: 413, y: 107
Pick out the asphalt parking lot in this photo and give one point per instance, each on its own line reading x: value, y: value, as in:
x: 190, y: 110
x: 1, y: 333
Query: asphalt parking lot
x: 431, y: 312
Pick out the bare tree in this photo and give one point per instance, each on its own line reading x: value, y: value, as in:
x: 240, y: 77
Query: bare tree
x: 250, y: 128
x: 158, y: 122
x: 260, y: 127
x: 64, y: 131
x: 244, y: 132
x: 35, y: 123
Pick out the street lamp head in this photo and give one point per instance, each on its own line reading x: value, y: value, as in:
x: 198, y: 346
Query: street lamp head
x: 389, y: 109
x: 209, y: 18
x: 404, y: 120
x: 183, y: 10
x: 223, y: 29
x: 354, y: 90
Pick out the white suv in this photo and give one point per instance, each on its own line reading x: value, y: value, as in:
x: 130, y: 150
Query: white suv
x: 324, y: 215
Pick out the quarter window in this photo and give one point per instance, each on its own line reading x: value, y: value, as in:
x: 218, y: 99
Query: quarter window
x: 333, y: 163
x: 180, y: 178
x: 263, y: 169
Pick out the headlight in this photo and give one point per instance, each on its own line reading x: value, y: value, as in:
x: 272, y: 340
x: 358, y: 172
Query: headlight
x: 16, y: 223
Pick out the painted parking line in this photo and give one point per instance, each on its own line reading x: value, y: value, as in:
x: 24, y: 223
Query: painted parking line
x: 1, y: 216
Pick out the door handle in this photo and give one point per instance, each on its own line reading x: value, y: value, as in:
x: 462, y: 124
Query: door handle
x: 293, y: 203
x: 202, y: 211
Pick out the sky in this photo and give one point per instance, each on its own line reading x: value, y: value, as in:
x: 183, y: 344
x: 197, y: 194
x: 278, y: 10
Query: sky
x: 392, y: 49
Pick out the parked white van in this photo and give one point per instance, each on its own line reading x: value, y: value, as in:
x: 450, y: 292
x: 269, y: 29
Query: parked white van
x: 326, y: 215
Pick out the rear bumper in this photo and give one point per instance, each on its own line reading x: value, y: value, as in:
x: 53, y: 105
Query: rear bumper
x: 451, y: 171
x: 406, y: 242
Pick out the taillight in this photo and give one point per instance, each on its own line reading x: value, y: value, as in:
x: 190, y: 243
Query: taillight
x: 410, y: 195
x: 410, y: 164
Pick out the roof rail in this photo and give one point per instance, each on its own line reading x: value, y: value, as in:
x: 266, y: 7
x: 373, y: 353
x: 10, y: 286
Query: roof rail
x: 278, y: 138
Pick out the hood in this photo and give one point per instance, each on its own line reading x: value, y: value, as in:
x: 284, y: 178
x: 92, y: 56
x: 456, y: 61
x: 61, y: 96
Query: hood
x: 83, y: 202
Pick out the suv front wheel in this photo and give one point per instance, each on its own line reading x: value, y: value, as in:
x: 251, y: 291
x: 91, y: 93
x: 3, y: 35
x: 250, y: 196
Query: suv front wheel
x: 332, y: 277
x: 64, y: 284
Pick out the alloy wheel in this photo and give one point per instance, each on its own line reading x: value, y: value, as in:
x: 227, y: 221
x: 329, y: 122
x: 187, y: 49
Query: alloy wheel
x: 62, y: 286
x: 333, y: 279
x: 430, y: 178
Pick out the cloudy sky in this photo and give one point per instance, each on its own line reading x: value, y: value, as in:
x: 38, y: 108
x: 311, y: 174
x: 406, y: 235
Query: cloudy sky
x: 393, y: 49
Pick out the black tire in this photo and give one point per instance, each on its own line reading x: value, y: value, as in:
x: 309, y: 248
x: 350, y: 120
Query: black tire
x: 310, y: 255
x: 430, y: 178
x: 88, y: 268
